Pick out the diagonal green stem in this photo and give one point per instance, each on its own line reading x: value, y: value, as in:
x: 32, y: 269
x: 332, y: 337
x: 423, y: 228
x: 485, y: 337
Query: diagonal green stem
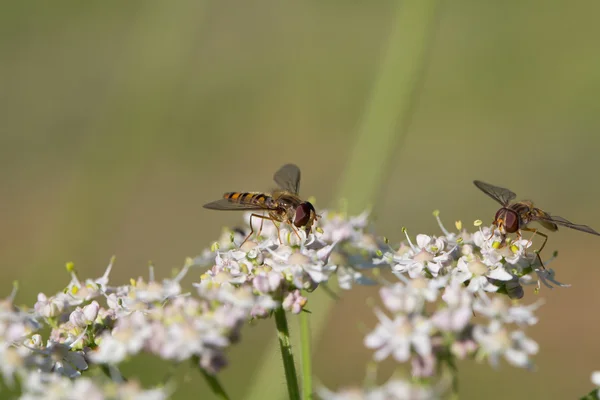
x: 214, y: 383
x: 383, y: 123
x: 387, y: 114
x: 283, y: 334
x: 307, y: 390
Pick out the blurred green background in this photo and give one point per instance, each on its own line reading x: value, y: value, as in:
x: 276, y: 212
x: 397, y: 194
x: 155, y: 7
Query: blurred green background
x: 119, y: 120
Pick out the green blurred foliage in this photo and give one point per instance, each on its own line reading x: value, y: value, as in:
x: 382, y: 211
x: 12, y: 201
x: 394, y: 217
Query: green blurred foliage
x: 119, y: 120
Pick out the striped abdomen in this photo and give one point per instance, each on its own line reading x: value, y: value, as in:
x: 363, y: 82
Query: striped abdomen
x: 259, y: 199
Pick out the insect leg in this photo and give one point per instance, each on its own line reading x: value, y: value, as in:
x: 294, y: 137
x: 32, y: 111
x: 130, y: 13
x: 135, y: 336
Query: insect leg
x: 538, y: 251
x: 262, y: 220
x: 262, y: 217
x: 493, y: 230
x: 296, y: 232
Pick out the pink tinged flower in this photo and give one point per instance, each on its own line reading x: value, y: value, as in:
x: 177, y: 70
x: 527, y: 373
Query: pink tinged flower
x: 452, y: 320
x: 262, y: 306
x: 82, y: 317
x: 463, y: 347
x: 268, y: 282
x: 91, y: 311
x: 294, y: 302
x: 399, y: 298
x: 423, y: 367
x: 398, y: 336
x: 456, y: 296
x: 48, y: 307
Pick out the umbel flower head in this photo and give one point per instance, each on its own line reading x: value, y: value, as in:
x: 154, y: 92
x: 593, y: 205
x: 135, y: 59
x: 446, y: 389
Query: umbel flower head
x: 446, y: 297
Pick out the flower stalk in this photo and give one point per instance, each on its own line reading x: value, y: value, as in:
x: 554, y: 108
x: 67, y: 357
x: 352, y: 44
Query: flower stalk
x: 283, y: 335
x: 307, y: 389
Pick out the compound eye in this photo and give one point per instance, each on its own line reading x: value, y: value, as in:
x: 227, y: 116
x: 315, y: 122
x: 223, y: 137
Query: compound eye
x: 511, y: 223
x: 303, y: 214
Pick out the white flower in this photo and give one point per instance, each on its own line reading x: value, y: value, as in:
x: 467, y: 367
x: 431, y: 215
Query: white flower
x: 267, y: 282
x: 596, y: 378
x: 457, y: 315
x: 127, y: 338
x: 47, y: 386
x: 399, y: 336
x: 428, y: 256
x: 346, y: 276
x: 496, y: 341
x: 412, y: 295
x: 13, y: 361
x: 339, y: 228
x: 394, y: 389
x: 57, y: 357
x: 477, y: 273
x: 497, y: 308
x: 111, y: 350
x: 82, y: 317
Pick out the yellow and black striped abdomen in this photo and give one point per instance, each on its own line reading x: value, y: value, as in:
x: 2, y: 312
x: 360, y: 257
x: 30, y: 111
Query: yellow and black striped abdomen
x: 259, y: 199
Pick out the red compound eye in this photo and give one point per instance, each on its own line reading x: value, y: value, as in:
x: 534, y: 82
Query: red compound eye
x: 303, y: 213
x: 511, y: 221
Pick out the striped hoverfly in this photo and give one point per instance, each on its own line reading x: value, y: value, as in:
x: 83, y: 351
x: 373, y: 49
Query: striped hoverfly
x: 514, y: 216
x: 282, y: 205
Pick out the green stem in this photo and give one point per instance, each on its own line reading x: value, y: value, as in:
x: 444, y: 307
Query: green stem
x: 387, y: 114
x: 214, y: 384
x: 307, y: 391
x: 283, y: 334
x: 381, y: 129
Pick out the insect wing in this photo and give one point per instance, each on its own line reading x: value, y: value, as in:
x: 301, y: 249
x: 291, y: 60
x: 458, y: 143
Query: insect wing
x: 561, y: 221
x: 501, y: 195
x: 551, y: 226
x: 288, y: 178
x: 226, y: 204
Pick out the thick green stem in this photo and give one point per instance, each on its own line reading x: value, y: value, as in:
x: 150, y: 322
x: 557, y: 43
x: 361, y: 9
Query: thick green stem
x: 307, y: 391
x: 283, y: 334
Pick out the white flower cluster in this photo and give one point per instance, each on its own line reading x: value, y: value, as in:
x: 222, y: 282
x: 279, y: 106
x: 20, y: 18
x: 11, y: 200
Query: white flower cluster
x: 440, y: 307
x: 394, y: 389
x: 452, y: 300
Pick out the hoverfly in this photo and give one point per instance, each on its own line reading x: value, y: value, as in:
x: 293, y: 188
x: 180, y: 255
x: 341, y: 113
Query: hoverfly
x: 513, y: 217
x: 283, y: 205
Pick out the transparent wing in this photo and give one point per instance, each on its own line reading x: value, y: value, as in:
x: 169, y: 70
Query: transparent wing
x: 226, y: 204
x: 501, y: 195
x: 555, y: 219
x: 288, y: 178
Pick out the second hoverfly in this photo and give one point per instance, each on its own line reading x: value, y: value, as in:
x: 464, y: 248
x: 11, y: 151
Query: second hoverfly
x: 283, y: 205
x: 514, y: 216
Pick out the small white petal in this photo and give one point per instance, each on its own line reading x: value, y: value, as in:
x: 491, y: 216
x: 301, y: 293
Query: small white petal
x: 500, y: 274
